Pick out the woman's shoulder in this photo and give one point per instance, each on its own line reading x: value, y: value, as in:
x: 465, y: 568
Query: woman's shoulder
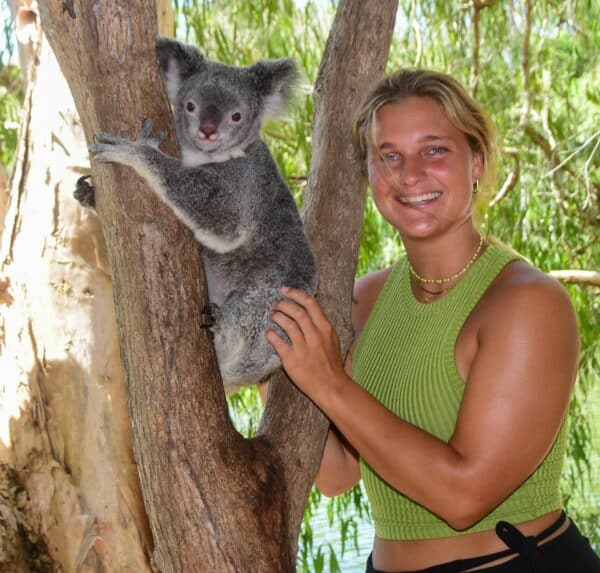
x: 520, y: 280
x: 522, y: 292
x: 366, y: 291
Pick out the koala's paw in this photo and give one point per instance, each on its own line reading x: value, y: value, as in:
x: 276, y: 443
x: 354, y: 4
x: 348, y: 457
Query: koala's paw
x: 210, y: 312
x: 112, y: 148
x: 85, y: 193
x: 146, y: 136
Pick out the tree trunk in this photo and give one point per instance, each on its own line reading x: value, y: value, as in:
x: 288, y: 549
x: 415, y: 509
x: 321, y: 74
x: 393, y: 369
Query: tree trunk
x: 182, y: 435
x: 65, y: 430
x: 355, y: 56
x: 215, y: 501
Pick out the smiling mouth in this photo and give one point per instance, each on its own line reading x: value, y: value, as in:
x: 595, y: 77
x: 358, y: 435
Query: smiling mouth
x: 417, y: 199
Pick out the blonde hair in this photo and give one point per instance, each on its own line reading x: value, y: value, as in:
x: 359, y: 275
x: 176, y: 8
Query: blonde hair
x: 460, y: 108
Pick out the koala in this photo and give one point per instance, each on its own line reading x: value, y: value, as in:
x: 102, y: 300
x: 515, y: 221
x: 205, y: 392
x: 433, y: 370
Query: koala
x: 228, y: 191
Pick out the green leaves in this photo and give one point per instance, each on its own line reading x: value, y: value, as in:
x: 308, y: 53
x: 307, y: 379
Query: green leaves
x: 11, y: 98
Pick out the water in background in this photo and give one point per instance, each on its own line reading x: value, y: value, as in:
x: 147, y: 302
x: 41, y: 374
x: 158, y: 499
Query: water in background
x: 353, y: 560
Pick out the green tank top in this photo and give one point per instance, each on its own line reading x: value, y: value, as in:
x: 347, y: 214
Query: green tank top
x: 405, y: 359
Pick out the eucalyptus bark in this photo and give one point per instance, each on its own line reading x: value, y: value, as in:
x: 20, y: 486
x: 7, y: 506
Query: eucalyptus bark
x: 70, y: 493
x: 215, y: 501
x: 355, y: 56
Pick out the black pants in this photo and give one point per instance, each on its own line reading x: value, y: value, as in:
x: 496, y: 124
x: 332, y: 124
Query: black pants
x: 569, y: 552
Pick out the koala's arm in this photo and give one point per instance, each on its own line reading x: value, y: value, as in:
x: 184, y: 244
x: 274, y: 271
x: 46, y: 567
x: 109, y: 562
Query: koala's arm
x: 196, y: 195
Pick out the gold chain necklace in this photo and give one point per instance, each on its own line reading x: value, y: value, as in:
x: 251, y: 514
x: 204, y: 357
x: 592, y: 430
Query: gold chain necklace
x: 454, y: 276
x: 434, y: 292
x: 429, y: 295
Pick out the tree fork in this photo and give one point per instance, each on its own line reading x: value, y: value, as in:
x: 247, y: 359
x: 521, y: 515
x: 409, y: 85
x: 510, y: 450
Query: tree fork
x: 355, y: 56
x: 239, y: 503
x: 182, y: 436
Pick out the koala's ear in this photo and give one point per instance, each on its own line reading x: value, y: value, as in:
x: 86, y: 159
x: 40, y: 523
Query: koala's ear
x: 277, y: 81
x: 177, y: 62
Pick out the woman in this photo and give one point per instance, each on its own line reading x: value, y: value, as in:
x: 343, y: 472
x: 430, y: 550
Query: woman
x: 451, y: 405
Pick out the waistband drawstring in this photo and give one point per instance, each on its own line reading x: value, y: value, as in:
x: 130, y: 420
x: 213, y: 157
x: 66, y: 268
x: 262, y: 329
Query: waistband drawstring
x: 515, y: 540
x: 526, y: 546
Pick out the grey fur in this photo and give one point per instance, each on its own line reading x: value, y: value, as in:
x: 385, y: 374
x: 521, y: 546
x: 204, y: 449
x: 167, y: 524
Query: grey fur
x: 230, y: 194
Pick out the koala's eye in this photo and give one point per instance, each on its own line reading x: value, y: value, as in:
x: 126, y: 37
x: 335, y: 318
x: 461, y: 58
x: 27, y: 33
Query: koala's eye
x: 190, y: 106
x: 236, y: 116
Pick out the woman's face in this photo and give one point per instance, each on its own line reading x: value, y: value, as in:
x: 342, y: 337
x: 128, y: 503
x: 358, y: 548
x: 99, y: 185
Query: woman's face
x: 423, y: 170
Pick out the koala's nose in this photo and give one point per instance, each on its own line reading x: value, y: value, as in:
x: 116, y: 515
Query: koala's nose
x: 208, y: 128
x: 209, y: 123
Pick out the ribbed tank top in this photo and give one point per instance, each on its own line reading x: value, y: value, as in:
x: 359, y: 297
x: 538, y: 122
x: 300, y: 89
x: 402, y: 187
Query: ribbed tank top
x: 405, y: 359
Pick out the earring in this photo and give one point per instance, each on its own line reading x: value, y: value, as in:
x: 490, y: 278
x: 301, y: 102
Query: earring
x: 476, y: 190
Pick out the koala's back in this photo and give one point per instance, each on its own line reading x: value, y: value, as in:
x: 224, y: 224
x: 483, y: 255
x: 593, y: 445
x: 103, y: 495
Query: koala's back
x: 276, y: 251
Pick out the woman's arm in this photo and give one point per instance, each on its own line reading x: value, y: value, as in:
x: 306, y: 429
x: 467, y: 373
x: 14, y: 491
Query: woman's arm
x: 339, y: 470
x: 516, y: 395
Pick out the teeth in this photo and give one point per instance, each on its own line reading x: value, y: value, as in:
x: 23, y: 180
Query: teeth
x: 420, y: 198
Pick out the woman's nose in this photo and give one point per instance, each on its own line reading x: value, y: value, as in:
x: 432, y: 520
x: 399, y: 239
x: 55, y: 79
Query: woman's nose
x: 411, y: 170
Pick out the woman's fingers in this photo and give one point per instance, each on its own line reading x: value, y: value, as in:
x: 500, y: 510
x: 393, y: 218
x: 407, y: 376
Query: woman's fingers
x: 312, y: 353
x: 302, y: 319
x: 308, y: 303
x: 296, y: 313
x: 279, y: 344
x: 289, y: 325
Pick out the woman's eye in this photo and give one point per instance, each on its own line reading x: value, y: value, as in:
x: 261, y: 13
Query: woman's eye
x: 390, y: 157
x: 437, y: 150
x: 236, y: 116
x: 190, y: 106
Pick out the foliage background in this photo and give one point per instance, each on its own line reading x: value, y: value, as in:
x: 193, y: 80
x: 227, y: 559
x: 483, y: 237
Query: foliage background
x: 534, y: 66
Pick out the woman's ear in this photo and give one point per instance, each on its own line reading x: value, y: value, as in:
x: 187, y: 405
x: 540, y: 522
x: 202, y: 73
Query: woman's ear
x: 477, y: 166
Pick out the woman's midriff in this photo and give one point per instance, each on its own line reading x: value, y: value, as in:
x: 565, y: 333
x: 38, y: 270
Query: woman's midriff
x: 420, y: 554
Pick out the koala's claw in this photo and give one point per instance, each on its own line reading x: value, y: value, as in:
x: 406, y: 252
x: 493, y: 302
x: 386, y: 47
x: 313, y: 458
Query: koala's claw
x: 109, y: 138
x: 147, y: 137
x: 101, y: 152
x: 108, y: 148
x: 85, y: 193
x: 146, y: 128
x: 210, y: 311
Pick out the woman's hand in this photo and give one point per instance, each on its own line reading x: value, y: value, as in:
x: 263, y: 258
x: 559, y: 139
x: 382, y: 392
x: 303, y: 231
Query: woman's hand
x: 312, y: 357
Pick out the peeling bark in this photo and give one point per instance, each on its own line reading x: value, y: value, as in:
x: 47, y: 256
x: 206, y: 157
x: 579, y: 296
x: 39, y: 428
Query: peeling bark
x: 64, y: 426
x: 22, y: 550
x: 64, y: 416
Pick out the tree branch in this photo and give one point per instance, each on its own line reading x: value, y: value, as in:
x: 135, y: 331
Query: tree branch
x: 214, y: 500
x: 475, y: 12
x: 572, y: 276
x: 525, y: 66
x: 476, y: 7
x: 512, y: 178
x: 480, y: 4
x: 355, y: 55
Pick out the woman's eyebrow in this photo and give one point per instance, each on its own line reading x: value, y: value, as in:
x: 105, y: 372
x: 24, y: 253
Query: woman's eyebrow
x: 433, y: 137
x: 425, y: 139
